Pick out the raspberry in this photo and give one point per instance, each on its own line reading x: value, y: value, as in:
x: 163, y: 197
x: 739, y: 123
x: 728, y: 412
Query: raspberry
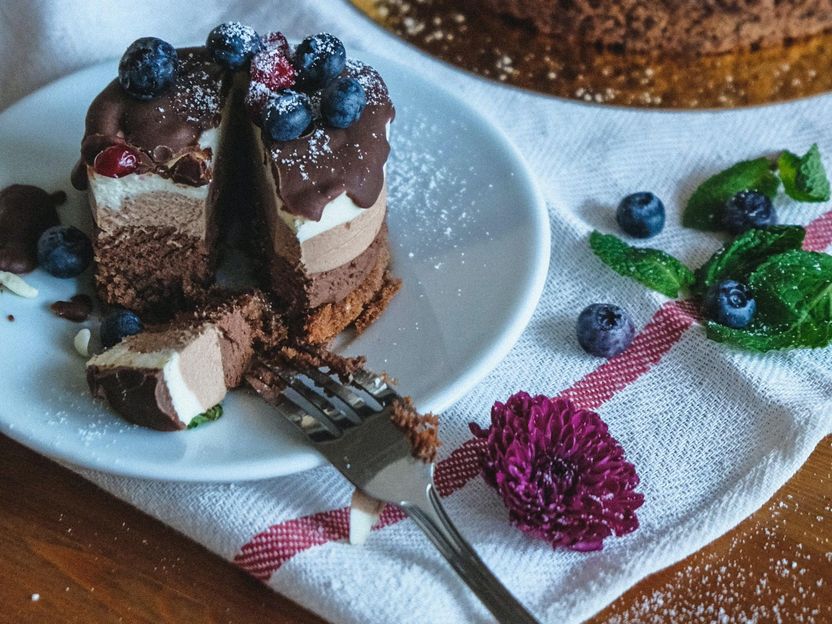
x: 272, y: 68
x: 256, y: 98
x: 276, y: 40
x: 116, y: 161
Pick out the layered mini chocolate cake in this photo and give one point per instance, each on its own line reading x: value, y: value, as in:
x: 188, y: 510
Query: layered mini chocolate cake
x: 323, y: 207
x: 153, y: 171
x: 311, y: 162
x: 165, y: 376
x: 689, y: 27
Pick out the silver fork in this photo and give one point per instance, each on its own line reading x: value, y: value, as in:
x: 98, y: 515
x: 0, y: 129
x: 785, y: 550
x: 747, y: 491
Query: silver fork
x: 363, y: 443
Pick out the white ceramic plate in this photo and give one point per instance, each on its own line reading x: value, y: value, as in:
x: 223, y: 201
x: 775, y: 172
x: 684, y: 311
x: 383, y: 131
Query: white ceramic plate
x: 470, y: 238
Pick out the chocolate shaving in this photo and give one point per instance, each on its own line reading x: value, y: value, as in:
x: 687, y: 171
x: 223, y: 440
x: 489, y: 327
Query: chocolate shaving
x: 77, y: 309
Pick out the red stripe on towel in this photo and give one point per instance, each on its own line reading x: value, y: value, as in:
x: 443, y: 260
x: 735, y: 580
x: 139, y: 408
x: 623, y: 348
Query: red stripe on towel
x: 648, y: 347
x: 819, y: 233
x: 271, y: 548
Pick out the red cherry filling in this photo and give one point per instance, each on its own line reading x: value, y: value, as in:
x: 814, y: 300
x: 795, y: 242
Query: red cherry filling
x: 116, y: 161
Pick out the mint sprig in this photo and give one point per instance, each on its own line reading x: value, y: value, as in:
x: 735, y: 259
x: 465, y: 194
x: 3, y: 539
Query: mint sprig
x: 804, y: 177
x: 209, y: 415
x: 704, y: 208
x: 794, y: 304
x: 738, y: 259
x: 653, y: 268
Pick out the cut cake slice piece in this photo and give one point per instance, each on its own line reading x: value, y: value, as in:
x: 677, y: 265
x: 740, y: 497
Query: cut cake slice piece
x: 164, y: 377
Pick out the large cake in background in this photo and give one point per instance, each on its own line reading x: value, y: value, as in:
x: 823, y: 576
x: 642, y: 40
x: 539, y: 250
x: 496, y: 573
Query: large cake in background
x: 690, y: 27
x: 292, y: 142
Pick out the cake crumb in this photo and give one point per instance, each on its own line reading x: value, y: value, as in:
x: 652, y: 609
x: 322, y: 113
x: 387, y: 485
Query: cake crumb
x: 422, y: 430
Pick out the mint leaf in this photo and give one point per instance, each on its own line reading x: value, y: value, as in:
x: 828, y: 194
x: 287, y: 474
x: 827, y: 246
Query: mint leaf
x: 653, y: 268
x: 793, y: 286
x: 704, y: 209
x: 804, y: 177
x: 208, y: 416
x: 800, y: 335
x: 794, y: 304
x: 737, y: 259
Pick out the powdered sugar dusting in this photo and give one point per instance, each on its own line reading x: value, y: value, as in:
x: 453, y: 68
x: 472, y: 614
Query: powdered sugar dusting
x: 369, y: 79
x: 198, y: 97
x: 764, y: 571
x: 435, y: 204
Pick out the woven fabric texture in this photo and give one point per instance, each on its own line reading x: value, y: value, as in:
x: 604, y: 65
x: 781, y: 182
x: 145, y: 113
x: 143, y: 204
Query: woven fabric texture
x: 713, y: 431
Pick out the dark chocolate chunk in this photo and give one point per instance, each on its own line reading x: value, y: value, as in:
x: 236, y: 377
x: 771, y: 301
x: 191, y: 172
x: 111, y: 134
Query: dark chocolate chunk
x: 77, y: 309
x: 25, y: 213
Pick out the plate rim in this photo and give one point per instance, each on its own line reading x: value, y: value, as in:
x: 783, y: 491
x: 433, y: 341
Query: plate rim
x: 244, y: 471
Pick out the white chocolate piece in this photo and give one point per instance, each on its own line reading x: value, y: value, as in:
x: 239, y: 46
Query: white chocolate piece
x: 14, y: 283
x: 364, y: 513
x: 82, y: 342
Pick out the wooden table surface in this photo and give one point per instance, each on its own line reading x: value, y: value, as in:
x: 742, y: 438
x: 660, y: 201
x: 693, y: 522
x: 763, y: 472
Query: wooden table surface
x: 70, y: 552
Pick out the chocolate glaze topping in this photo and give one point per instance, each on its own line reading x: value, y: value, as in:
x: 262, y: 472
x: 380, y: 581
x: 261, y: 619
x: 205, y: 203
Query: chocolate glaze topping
x: 25, y: 212
x: 164, y: 128
x: 77, y: 309
x: 316, y: 168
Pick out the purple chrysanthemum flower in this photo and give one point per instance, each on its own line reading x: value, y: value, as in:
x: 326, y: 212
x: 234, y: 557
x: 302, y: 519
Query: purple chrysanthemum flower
x: 561, y: 474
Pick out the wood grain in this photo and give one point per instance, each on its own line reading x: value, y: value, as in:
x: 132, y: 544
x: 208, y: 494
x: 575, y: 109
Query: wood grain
x: 92, y: 558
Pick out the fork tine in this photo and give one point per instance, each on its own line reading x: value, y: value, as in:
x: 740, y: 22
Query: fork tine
x: 338, y: 419
x: 375, y: 386
x: 350, y: 398
x: 314, y: 428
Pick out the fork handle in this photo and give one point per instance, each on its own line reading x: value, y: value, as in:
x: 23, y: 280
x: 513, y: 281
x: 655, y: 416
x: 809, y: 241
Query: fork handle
x: 430, y: 516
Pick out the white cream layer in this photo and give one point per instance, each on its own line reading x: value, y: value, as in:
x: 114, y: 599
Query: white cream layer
x: 337, y: 212
x: 110, y: 193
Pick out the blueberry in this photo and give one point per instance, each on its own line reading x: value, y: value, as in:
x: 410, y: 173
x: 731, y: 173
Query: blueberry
x: 748, y: 209
x: 641, y: 215
x: 233, y: 44
x: 117, y: 325
x: 343, y: 102
x: 287, y: 115
x: 147, y: 68
x: 64, y: 251
x: 730, y: 303
x: 605, y: 330
x: 319, y: 59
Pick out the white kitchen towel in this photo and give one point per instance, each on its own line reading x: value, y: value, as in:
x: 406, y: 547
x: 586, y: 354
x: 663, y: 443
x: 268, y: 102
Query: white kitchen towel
x: 712, y: 431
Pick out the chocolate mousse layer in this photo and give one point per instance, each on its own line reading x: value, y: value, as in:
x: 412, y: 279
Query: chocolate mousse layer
x: 164, y: 377
x: 25, y: 213
x: 318, y: 306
